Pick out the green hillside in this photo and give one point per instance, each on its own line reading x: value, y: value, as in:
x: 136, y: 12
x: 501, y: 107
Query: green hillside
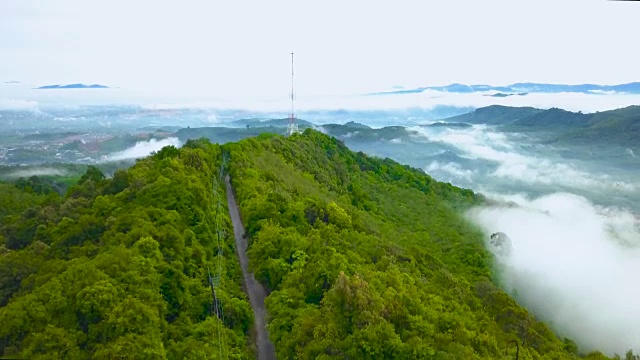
x: 552, y: 119
x: 614, y: 128
x: 14, y: 200
x: 118, y: 268
x: 367, y: 259
x: 495, y: 115
x: 605, y: 130
x: 363, y: 258
x: 362, y: 133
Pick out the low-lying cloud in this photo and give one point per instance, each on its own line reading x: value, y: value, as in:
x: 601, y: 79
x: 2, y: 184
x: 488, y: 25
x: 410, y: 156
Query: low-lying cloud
x: 23, y: 95
x: 451, y: 168
x: 37, y: 171
x: 575, y: 244
x: 144, y: 148
x: 515, y: 164
x: 573, y: 265
x: 13, y: 104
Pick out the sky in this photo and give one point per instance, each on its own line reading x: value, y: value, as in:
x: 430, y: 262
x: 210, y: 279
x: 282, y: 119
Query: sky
x: 242, y: 48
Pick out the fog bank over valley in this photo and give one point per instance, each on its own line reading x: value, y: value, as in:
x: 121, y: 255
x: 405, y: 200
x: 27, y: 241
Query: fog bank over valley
x: 572, y: 264
x: 40, y: 171
x: 143, y: 148
x: 572, y: 217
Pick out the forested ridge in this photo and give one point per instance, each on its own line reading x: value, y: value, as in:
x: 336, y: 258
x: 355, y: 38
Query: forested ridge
x: 619, y: 127
x: 363, y: 258
x: 118, y: 268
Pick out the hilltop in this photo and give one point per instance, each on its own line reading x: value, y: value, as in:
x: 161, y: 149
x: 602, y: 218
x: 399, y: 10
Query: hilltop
x: 352, y: 267
x: 356, y: 269
x: 494, y: 115
x: 619, y: 127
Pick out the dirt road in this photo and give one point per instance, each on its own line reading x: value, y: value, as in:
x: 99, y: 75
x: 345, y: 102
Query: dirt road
x: 255, y: 291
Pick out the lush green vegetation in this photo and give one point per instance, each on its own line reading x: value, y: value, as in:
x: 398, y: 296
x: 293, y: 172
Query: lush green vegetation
x: 14, y: 200
x: 118, y: 268
x: 552, y: 119
x: 46, y: 184
x: 362, y: 257
x: 365, y: 258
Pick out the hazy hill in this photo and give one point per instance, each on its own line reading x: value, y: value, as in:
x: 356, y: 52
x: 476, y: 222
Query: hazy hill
x: 620, y: 127
x: 450, y: 125
x: 632, y: 88
x: 352, y: 130
x: 362, y: 133
x: 616, y: 127
x: 607, y: 129
x: 353, y: 124
x: 270, y: 122
x: 495, y: 115
x: 74, y: 86
x: 552, y: 118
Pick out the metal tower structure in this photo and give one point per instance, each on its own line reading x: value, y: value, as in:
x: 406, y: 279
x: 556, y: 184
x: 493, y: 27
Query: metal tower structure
x: 292, y: 128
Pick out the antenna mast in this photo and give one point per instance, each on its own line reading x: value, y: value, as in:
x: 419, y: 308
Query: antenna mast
x: 292, y: 128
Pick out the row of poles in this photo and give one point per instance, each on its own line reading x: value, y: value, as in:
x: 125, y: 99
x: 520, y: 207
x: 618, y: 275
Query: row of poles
x: 214, y: 281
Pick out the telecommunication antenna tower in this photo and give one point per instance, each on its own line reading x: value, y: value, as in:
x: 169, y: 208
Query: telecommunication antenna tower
x: 292, y: 128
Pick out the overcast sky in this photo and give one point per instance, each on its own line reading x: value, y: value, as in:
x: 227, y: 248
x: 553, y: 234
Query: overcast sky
x: 233, y: 47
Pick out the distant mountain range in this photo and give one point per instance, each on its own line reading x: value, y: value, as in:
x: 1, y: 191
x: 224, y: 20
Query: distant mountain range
x: 73, y: 86
x: 607, y: 128
x: 501, y: 95
x: 269, y: 123
x: 523, y: 89
x: 494, y: 115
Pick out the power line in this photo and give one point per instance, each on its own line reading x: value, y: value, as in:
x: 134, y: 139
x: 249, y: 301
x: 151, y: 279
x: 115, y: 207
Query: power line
x: 215, y: 281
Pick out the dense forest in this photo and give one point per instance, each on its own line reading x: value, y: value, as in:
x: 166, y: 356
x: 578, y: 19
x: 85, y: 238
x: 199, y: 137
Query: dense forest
x: 119, y: 268
x: 363, y: 258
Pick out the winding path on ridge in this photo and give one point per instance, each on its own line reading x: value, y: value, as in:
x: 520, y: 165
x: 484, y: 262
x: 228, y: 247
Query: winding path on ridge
x: 255, y: 291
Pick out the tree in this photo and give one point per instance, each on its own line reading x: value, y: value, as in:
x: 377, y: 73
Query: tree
x: 93, y: 173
